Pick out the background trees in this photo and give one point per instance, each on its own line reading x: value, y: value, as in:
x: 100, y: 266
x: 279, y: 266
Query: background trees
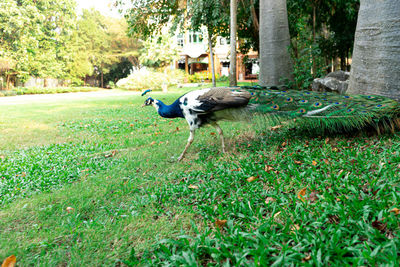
x: 47, y: 39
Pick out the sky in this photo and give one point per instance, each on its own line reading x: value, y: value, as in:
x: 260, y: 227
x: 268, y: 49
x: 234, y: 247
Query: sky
x: 104, y: 6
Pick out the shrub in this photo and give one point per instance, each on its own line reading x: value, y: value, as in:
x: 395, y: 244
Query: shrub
x: 201, y: 77
x: 145, y: 78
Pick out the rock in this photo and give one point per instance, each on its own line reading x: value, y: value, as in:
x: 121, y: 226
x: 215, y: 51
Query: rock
x: 337, y: 81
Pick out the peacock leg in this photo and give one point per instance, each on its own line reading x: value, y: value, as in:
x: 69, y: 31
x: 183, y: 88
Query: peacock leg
x: 190, y: 141
x: 221, y: 135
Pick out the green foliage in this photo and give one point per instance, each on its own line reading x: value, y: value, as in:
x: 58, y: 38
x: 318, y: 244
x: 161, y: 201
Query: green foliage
x: 305, y: 54
x: 202, y: 77
x: 158, y: 52
x: 345, y: 218
x: 45, y: 90
x: 146, y: 18
x: 335, y: 25
x: 151, y: 79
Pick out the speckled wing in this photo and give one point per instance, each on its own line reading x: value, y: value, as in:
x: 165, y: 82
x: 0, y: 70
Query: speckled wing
x: 221, y: 98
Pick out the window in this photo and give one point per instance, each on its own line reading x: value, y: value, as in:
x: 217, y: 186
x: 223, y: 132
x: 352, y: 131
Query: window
x: 223, y: 41
x: 180, y: 40
x: 195, y: 37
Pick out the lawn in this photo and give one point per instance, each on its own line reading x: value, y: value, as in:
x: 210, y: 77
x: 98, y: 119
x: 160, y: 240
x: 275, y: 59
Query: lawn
x: 96, y: 182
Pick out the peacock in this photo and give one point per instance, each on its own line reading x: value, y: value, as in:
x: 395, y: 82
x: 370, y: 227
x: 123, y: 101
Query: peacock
x: 318, y: 110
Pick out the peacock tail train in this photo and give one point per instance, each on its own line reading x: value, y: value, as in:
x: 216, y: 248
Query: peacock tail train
x: 325, y: 111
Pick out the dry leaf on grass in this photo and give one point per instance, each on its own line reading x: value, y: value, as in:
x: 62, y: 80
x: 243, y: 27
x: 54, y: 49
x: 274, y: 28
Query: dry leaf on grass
x: 294, y: 228
x: 193, y: 186
x: 274, y: 128
x: 298, y: 162
x: 9, y: 262
x: 306, y: 258
x: 268, y: 168
x: 396, y: 211
x: 252, y: 178
x: 302, y: 193
x: 269, y: 200
x: 314, y: 163
x: 112, y: 154
x: 69, y: 209
x: 220, y: 223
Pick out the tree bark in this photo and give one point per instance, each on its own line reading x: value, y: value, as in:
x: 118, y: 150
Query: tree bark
x: 376, y: 59
x: 233, y: 29
x: 210, y: 46
x: 275, y: 63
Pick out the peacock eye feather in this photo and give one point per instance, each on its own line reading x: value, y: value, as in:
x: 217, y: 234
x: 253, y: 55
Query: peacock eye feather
x: 346, y: 96
x: 317, y: 104
x: 338, y: 103
x: 276, y: 107
x: 289, y: 99
x: 303, y: 101
x: 350, y: 110
x: 302, y: 110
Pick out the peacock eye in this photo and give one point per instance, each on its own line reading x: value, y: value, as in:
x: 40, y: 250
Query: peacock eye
x: 276, y: 107
x: 302, y: 110
x: 289, y: 99
x: 317, y: 104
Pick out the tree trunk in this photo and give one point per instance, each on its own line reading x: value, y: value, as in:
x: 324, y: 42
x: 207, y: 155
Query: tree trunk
x: 233, y: 29
x: 376, y: 59
x: 275, y: 63
x: 210, y: 46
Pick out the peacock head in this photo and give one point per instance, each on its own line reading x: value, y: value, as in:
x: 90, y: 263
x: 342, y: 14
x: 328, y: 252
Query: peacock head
x: 149, y: 102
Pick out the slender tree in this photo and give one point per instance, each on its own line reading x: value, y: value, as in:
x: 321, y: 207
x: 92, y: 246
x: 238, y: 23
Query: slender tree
x: 376, y: 59
x: 275, y: 63
x: 233, y: 30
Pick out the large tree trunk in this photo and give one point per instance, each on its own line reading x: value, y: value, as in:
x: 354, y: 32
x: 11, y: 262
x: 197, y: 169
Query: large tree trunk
x: 376, y: 59
x: 275, y: 63
x: 233, y: 29
x: 214, y: 83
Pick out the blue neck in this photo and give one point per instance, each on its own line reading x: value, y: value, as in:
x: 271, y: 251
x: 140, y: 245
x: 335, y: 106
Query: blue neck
x: 171, y: 111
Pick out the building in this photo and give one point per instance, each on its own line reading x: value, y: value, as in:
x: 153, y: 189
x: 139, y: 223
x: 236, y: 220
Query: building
x: 194, y: 56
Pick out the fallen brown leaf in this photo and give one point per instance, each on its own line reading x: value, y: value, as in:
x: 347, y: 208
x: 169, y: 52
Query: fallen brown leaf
x: 268, y: 168
x: 306, y: 258
x: 193, y: 186
x: 396, y: 211
x: 112, y: 154
x: 276, y: 127
x: 252, y: 178
x: 69, y: 209
x: 283, y: 144
x: 153, y: 143
x: 9, y: 262
x: 302, y: 193
x: 314, y: 163
x: 220, y: 223
x: 298, y: 162
x: 269, y: 200
x: 327, y: 140
x: 294, y: 227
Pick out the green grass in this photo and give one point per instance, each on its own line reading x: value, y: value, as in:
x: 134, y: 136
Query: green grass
x: 112, y: 162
